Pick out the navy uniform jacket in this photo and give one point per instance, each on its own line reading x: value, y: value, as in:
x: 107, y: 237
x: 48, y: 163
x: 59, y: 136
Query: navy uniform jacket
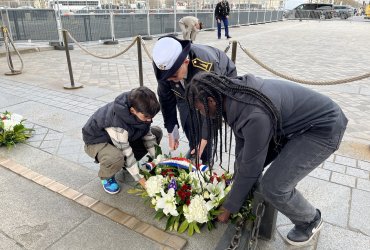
x: 300, y: 109
x: 202, y: 58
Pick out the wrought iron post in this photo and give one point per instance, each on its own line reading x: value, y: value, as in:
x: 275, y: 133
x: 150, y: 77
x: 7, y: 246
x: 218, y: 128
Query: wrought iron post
x: 72, y: 85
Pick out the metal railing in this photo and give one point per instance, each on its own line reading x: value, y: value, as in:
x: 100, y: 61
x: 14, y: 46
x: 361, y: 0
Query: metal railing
x: 42, y: 24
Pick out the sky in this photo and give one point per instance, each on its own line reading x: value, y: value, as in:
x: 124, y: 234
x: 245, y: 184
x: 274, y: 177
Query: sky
x: 290, y: 4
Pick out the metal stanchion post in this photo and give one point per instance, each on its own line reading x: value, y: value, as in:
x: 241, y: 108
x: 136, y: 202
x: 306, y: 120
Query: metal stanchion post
x: 111, y: 17
x: 148, y: 37
x: 233, y: 51
x: 8, y: 40
x: 140, y: 60
x: 72, y: 85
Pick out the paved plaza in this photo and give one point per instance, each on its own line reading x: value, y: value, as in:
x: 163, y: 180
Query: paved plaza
x: 51, y: 198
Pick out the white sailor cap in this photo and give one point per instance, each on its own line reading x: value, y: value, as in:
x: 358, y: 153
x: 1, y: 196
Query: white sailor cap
x: 169, y: 53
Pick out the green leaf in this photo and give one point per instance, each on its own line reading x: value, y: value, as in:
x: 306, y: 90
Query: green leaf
x: 176, y: 224
x: 134, y: 191
x: 191, y: 229
x: 184, y: 225
x: 210, y: 225
x: 170, y: 223
x: 196, y: 228
x: 159, y: 215
x: 158, y: 150
x: 216, y: 212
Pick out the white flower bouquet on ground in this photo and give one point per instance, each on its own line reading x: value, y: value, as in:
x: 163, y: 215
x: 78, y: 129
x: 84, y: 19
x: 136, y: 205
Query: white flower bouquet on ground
x: 12, y: 129
x: 188, y: 196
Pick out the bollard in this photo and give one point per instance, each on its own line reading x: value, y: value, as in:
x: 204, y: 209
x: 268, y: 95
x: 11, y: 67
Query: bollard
x: 72, y: 85
x: 140, y: 60
x: 233, y: 51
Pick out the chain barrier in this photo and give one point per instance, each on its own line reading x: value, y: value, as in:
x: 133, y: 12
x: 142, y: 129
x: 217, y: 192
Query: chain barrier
x: 102, y: 57
x: 333, y: 82
x: 260, y: 211
x: 7, y: 40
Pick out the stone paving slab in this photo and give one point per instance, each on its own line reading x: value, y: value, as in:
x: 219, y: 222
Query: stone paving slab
x: 35, y: 218
x: 333, y: 237
x: 360, y: 211
x: 98, y: 232
x: 334, y: 208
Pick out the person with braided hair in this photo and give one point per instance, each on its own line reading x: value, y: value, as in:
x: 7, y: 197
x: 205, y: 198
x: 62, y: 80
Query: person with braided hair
x: 278, y: 123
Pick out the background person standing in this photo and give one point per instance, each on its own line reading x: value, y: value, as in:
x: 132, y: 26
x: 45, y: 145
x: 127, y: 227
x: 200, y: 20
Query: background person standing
x: 222, y: 12
x: 190, y: 26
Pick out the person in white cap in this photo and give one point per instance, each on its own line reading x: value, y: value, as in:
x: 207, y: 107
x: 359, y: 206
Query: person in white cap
x: 175, y: 63
x: 190, y: 26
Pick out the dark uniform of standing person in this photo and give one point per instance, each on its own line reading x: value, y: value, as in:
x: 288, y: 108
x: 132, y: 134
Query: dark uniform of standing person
x: 222, y: 12
x: 175, y: 63
x: 276, y: 122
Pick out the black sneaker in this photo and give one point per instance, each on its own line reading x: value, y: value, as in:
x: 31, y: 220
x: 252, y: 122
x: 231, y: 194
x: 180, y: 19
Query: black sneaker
x: 302, y: 234
x: 227, y: 37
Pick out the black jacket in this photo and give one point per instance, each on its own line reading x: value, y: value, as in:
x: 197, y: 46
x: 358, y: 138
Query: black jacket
x: 113, y: 114
x: 202, y: 58
x: 222, y: 10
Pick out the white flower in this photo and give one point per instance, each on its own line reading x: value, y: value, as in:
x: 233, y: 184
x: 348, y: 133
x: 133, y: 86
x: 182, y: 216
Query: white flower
x: 154, y: 185
x: 197, y: 210
x: 197, y: 181
x: 9, y: 124
x: 217, y: 192
x: 167, y: 202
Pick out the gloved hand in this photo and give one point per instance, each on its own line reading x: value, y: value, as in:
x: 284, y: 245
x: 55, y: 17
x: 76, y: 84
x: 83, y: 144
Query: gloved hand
x: 173, y: 138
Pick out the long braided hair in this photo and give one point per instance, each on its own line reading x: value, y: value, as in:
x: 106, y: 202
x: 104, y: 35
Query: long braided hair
x: 204, y: 85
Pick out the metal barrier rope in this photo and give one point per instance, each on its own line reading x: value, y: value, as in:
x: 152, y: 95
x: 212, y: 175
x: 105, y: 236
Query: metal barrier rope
x: 333, y: 82
x: 228, y: 47
x: 98, y: 56
x: 7, y: 40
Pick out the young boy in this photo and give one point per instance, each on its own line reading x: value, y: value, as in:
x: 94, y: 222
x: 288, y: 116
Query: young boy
x: 119, y: 134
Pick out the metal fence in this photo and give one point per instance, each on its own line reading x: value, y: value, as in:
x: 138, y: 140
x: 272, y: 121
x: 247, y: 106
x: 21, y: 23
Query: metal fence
x: 43, y: 24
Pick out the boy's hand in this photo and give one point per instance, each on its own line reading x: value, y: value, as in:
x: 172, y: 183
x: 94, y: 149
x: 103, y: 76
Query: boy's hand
x: 142, y: 182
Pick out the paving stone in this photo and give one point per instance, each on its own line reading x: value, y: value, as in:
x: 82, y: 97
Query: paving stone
x: 7, y: 243
x: 25, y: 155
x: 360, y: 211
x: 334, y: 208
x: 363, y: 184
x: 38, y: 222
x: 51, y: 117
x: 364, y: 165
x: 335, y: 167
x: 321, y: 173
x: 357, y: 172
x: 66, y: 172
x: 101, y: 233
x: 8, y: 100
x: 345, y: 161
x: 343, y: 179
x: 332, y: 237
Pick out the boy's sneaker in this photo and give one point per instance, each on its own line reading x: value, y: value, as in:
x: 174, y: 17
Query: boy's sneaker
x: 302, y: 234
x: 110, y: 185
